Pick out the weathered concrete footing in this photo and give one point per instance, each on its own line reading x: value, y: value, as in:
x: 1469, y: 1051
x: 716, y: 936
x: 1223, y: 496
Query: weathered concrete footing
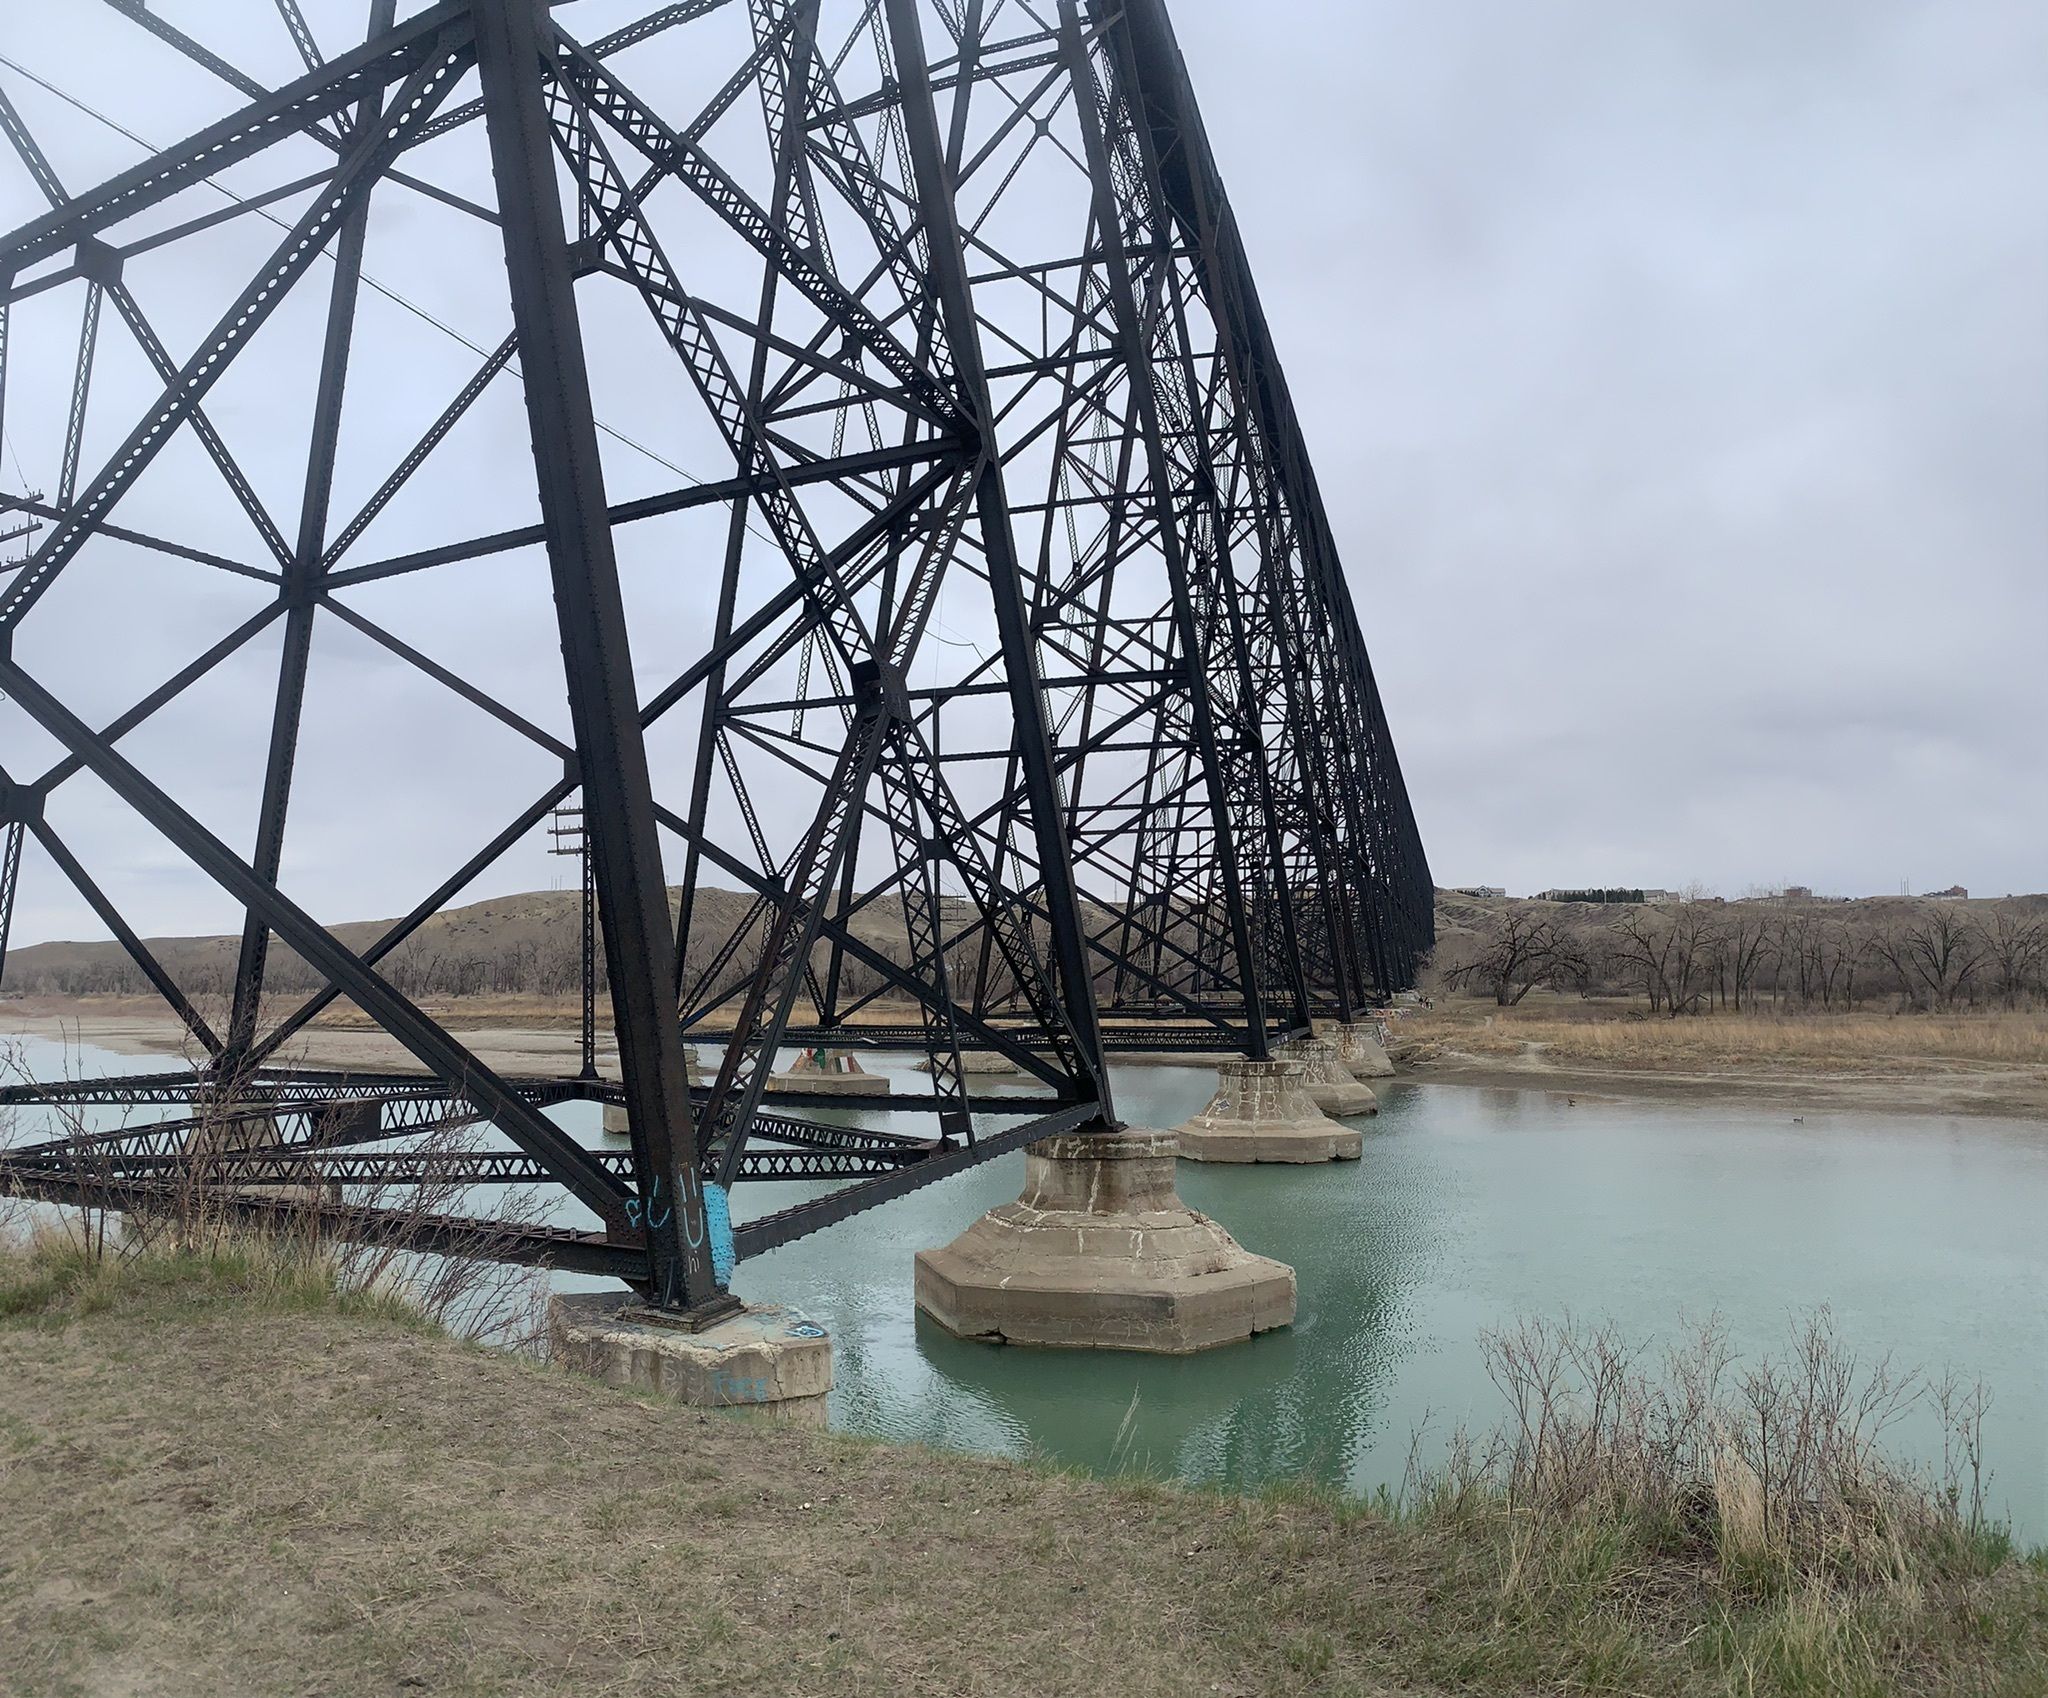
x: 1261, y: 1113
x: 980, y: 1061
x: 1327, y: 1082
x: 832, y: 1071
x: 617, y: 1123
x: 833, y: 1084
x: 764, y: 1361
x: 1359, y: 1049
x: 1100, y: 1253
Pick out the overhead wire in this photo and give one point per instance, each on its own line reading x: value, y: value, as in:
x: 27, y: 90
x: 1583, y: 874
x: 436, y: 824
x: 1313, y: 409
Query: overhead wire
x: 383, y: 289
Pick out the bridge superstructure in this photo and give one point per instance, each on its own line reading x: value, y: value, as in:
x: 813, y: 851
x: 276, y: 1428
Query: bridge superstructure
x: 995, y: 646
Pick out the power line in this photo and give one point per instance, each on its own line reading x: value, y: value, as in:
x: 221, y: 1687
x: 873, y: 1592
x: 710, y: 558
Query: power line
x: 385, y: 290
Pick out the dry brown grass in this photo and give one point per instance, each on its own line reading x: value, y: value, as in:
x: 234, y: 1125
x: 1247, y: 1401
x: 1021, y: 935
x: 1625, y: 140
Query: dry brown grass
x: 210, y: 1486
x: 1608, y: 1035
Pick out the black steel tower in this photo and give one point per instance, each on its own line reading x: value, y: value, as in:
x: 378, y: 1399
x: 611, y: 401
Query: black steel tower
x: 991, y: 642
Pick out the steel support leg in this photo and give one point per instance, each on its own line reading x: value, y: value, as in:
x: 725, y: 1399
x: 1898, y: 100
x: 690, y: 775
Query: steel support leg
x: 934, y: 185
x: 618, y: 797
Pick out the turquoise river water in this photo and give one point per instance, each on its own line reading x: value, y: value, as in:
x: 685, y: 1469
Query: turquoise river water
x: 1927, y: 1238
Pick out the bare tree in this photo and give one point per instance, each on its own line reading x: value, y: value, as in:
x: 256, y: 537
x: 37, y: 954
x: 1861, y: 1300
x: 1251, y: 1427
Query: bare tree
x: 2016, y: 953
x: 1523, y: 952
x: 1745, y: 938
x: 1935, y: 952
x: 1669, y: 955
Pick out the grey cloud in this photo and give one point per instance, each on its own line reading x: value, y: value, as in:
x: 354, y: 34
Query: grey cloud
x: 1677, y: 376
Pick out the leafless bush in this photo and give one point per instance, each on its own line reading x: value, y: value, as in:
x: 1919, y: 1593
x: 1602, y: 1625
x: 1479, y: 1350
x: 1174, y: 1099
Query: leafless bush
x: 1776, y: 1469
x: 230, y: 1191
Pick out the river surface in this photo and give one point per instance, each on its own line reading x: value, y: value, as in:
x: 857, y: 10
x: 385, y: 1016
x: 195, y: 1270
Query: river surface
x: 1926, y: 1236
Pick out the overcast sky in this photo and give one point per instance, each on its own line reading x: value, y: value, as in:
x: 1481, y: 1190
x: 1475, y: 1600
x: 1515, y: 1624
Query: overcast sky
x: 1677, y: 377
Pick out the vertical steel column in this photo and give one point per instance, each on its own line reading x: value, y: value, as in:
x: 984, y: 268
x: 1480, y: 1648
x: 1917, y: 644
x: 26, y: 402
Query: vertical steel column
x: 934, y: 188
x: 618, y: 796
x: 10, y: 877
x: 1159, y: 472
x: 302, y: 586
x: 589, y: 917
x: 1145, y: 46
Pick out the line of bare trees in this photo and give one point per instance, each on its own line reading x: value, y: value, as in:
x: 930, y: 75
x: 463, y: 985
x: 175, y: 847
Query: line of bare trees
x: 1692, y: 957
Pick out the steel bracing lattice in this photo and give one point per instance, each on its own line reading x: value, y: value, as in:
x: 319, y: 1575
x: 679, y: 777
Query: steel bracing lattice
x: 1023, y: 701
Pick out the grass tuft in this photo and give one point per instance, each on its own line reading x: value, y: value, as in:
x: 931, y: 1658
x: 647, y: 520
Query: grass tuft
x: 60, y: 1276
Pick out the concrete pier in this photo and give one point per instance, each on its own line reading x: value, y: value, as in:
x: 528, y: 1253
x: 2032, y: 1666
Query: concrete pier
x: 617, y: 1124
x: 763, y: 1361
x: 1260, y: 1112
x: 833, y: 1070
x: 1359, y: 1049
x: 1100, y: 1253
x: 1329, y: 1084
x: 982, y: 1062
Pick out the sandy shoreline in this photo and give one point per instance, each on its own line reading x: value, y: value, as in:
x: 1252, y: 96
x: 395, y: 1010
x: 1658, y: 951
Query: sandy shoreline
x: 2006, y: 1093
x: 509, y: 1048
x: 518, y: 1045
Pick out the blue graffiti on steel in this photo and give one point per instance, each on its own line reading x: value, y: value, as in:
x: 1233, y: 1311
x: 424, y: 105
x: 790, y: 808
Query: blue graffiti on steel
x: 654, y: 1213
x: 718, y: 1216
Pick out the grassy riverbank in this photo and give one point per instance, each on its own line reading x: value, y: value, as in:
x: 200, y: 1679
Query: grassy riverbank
x: 221, y: 1473
x: 1611, y: 1034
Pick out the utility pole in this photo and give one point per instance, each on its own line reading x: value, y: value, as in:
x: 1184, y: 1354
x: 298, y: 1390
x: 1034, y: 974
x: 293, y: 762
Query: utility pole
x: 568, y: 838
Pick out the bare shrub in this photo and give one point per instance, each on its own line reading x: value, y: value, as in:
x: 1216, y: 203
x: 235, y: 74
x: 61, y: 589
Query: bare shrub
x: 225, y: 1195
x: 1775, y: 1471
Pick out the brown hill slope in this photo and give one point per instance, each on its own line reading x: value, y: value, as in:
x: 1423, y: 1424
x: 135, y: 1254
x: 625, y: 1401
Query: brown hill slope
x: 506, y: 945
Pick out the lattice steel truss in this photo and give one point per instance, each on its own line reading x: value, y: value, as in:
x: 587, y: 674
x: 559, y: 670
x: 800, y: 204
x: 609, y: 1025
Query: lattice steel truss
x: 1023, y: 624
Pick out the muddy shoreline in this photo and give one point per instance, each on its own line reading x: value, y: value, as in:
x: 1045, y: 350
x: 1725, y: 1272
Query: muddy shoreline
x: 2004, y: 1093
x: 533, y: 1042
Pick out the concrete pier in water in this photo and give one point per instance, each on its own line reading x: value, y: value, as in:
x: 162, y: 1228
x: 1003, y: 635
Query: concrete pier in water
x: 1261, y: 1113
x: 830, y: 1070
x: 1359, y: 1049
x: 1328, y: 1083
x: 1100, y: 1253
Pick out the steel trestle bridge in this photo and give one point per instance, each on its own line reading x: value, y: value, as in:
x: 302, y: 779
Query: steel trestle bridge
x: 1021, y: 697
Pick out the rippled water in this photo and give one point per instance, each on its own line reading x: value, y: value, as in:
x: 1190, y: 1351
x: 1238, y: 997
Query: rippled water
x: 1925, y: 1235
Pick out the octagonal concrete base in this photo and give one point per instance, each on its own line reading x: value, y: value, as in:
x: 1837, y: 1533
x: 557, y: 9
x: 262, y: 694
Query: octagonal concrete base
x: 1326, y: 1081
x: 1360, y: 1050
x: 1260, y: 1113
x: 1100, y: 1253
x: 980, y: 1061
x: 835, y: 1072
x: 763, y: 1361
x: 830, y: 1084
